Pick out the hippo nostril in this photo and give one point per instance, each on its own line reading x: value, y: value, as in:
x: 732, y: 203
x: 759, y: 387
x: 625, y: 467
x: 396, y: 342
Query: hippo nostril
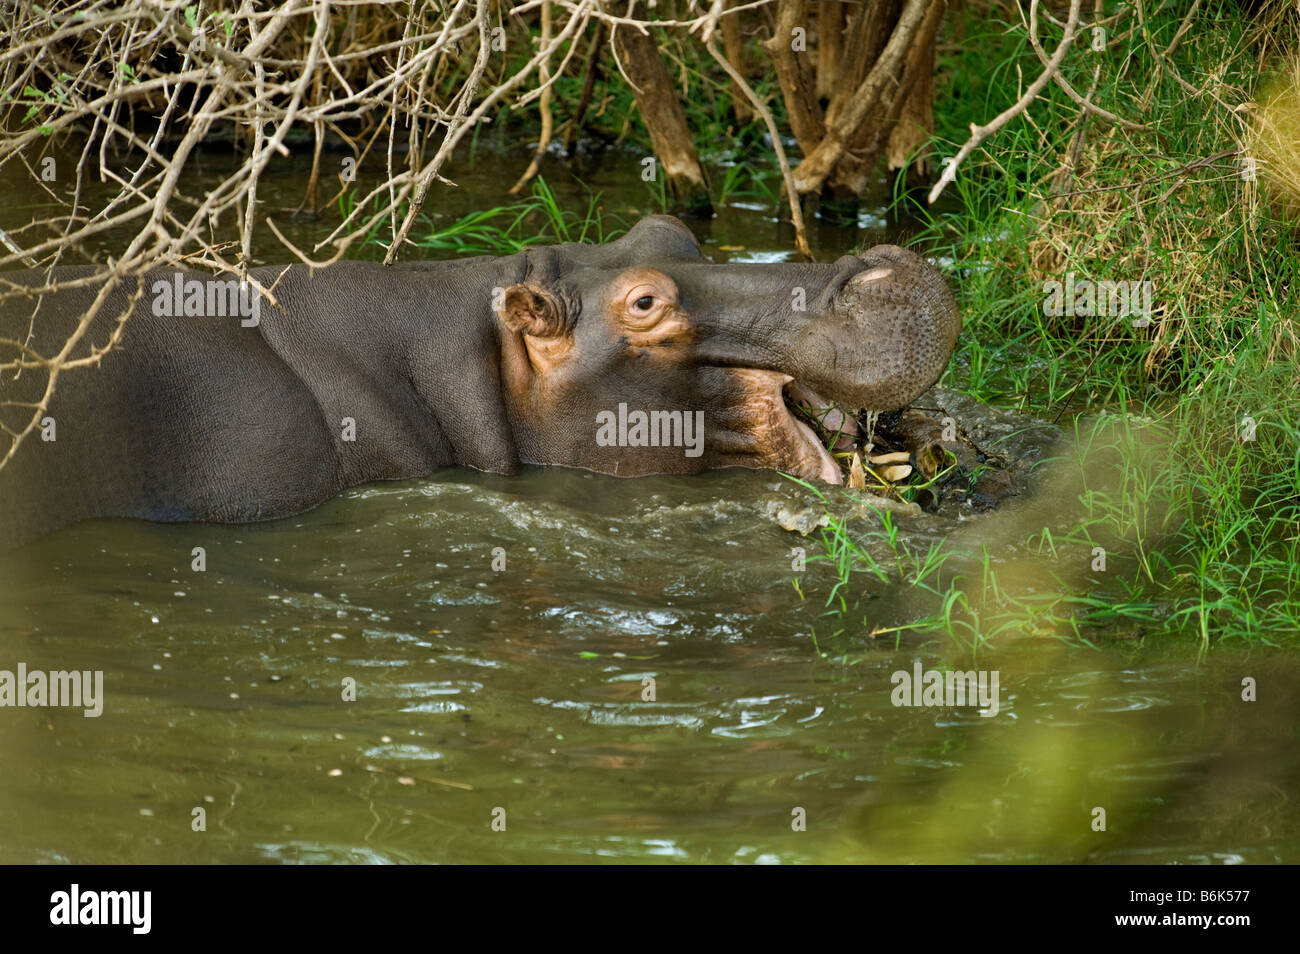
x: 885, y: 336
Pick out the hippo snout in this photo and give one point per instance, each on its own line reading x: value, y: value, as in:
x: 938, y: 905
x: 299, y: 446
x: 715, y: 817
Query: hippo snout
x: 887, y: 335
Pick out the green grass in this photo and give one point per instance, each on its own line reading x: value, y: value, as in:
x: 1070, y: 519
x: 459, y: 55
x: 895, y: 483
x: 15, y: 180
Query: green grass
x: 537, y: 219
x: 1201, y: 528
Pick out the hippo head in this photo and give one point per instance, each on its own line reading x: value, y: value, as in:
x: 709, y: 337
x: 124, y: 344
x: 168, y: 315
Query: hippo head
x: 640, y: 357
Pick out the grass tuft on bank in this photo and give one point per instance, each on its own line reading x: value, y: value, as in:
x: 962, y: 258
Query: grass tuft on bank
x: 1181, y: 458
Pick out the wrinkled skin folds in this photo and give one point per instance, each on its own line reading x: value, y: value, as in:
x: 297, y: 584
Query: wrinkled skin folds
x: 629, y: 358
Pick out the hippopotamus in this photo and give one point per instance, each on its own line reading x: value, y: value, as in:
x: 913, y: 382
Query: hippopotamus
x: 634, y: 357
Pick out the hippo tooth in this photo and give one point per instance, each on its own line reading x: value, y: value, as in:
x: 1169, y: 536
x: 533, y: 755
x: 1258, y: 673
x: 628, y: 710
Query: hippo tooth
x: 801, y: 394
x: 896, y: 457
x: 896, y: 472
x: 872, y: 275
x: 857, y: 476
x: 830, y: 471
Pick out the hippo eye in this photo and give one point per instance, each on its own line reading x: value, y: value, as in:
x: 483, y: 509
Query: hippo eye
x: 644, y: 303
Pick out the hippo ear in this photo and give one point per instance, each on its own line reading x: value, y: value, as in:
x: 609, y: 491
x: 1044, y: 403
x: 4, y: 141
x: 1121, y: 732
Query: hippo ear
x: 532, y: 310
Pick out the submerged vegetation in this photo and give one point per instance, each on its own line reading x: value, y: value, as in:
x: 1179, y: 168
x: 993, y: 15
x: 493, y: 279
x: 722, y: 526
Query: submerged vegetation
x: 539, y: 219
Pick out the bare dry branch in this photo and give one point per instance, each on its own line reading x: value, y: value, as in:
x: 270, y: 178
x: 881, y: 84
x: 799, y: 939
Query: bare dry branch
x: 979, y: 133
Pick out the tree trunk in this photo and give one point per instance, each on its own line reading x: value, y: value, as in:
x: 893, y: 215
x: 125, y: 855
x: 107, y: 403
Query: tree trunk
x: 788, y: 47
x: 661, y: 111
x: 915, y: 125
x: 854, y: 173
x: 874, y: 65
x: 733, y: 47
x: 830, y: 46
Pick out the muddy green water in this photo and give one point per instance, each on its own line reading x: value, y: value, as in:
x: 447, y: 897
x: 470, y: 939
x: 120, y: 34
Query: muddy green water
x: 519, y: 695
x: 524, y: 689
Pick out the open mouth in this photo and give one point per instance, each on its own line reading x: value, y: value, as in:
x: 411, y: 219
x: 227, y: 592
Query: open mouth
x: 825, y: 428
x: 796, y: 430
x: 848, y: 440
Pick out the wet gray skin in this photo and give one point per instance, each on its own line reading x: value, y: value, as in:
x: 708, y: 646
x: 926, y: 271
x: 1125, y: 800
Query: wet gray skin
x: 357, y: 373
